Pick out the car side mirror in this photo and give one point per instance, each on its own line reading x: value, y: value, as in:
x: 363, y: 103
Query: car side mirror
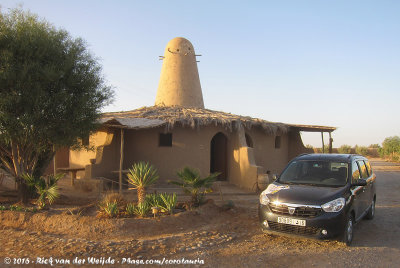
x: 360, y: 182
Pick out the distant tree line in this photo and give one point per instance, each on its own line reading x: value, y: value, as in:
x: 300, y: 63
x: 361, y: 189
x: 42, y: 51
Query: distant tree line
x: 390, y: 149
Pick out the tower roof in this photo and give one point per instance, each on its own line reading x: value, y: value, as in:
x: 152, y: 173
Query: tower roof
x: 179, y: 82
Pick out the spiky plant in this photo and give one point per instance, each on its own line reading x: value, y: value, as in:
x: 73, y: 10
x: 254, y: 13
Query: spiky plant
x: 142, y: 209
x: 154, y: 200
x: 141, y: 176
x: 130, y: 209
x: 46, y: 189
x: 110, y: 209
x: 193, y: 185
x: 169, y: 202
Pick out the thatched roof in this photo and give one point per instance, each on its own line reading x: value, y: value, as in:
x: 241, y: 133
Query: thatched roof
x: 170, y: 116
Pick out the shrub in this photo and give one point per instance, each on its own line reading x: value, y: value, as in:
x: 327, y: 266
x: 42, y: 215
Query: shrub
x: 15, y: 208
x: 46, y: 188
x: 2, y: 208
x: 344, y: 149
x: 110, y: 209
x: 169, y: 202
x: 113, y: 197
x: 142, y: 209
x: 154, y: 200
x: 130, y: 209
x: 391, y: 147
x: 362, y: 150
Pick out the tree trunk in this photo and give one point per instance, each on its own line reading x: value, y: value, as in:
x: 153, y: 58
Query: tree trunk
x: 141, y: 192
x: 23, y: 193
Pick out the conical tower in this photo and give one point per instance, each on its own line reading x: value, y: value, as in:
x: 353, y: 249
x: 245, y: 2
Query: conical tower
x: 179, y: 82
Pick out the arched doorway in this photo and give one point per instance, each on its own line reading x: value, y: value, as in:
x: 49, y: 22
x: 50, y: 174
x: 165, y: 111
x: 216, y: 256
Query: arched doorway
x: 218, y: 161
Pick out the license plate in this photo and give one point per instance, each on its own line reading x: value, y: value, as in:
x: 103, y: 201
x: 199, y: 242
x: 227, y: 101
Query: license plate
x: 291, y: 221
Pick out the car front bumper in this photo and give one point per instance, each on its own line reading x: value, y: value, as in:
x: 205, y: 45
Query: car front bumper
x: 323, y: 226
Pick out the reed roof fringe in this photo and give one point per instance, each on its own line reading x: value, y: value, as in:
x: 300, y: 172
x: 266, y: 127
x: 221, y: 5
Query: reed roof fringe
x: 170, y: 116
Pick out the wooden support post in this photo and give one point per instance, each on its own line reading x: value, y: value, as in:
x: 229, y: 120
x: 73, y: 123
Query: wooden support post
x: 54, y: 161
x: 121, y: 160
x: 330, y: 142
x: 323, y: 149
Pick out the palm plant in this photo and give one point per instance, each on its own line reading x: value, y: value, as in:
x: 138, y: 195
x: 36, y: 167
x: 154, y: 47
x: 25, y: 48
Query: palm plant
x: 142, y: 175
x: 194, y: 185
x: 46, y: 189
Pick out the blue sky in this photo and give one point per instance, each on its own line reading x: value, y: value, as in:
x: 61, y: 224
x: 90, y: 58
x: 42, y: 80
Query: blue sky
x: 334, y: 63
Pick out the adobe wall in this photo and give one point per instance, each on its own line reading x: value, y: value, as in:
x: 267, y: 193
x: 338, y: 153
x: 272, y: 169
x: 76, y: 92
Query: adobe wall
x: 106, y: 144
x: 296, y: 146
x: 266, y: 155
x: 190, y: 147
x: 243, y: 169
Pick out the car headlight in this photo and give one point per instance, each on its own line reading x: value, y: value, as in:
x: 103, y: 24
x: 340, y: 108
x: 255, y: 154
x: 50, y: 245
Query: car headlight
x: 264, y: 200
x: 334, y: 206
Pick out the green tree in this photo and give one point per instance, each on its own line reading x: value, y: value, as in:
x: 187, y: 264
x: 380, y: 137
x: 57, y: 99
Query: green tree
x: 361, y: 150
x: 51, y: 93
x: 344, y: 149
x: 391, y: 146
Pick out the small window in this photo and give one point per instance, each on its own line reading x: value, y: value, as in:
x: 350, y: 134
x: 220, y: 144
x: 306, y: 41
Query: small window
x: 277, y: 142
x: 368, y: 167
x: 165, y: 140
x: 363, y: 169
x: 355, y: 173
x: 249, y: 141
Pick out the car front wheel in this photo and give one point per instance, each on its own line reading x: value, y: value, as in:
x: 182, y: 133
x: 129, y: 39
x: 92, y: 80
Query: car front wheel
x: 348, y: 232
x: 371, y: 212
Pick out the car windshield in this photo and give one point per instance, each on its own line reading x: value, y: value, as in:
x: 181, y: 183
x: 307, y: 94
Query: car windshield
x: 320, y: 173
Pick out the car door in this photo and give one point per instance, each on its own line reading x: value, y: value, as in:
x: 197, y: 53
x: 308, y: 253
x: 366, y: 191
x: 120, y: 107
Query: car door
x: 365, y: 193
x: 356, y: 191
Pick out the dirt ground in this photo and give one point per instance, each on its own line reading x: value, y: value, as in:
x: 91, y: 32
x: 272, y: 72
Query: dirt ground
x: 211, y: 235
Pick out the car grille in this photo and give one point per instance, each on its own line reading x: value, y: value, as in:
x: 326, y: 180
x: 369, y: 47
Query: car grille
x: 306, y: 212
x: 286, y: 228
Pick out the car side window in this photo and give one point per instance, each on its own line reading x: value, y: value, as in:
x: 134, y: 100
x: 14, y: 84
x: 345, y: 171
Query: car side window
x: 363, y: 168
x: 367, y: 163
x: 355, y: 171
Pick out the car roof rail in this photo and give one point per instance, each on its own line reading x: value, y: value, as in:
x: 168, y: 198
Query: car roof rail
x: 303, y: 154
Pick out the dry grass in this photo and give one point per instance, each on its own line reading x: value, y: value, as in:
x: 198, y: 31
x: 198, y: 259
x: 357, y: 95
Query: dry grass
x: 196, y: 118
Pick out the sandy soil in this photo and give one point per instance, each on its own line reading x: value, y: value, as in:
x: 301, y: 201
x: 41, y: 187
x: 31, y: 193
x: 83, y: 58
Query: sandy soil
x: 219, y: 237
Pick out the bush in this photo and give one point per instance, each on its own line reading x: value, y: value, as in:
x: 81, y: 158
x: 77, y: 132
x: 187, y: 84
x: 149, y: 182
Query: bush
x: 110, y: 209
x: 169, y: 202
x: 154, y: 200
x: 113, y: 197
x: 362, y: 150
x: 46, y: 188
x: 344, y: 149
x: 142, y: 209
x: 391, y: 148
x: 130, y: 209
